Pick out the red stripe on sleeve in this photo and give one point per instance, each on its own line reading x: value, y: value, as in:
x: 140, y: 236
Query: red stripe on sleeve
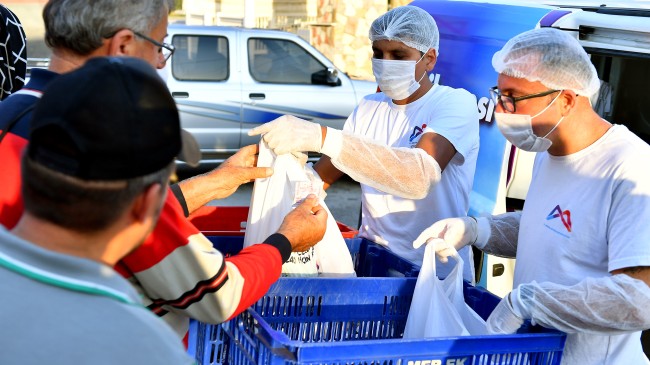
x: 257, y: 281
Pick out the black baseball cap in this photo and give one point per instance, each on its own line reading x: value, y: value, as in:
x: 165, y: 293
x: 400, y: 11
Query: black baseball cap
x: 111, y: 119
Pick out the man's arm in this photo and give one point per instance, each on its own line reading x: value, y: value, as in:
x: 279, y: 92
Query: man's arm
x: 499, y: 234
x: 608, y: 305
x: 223, y: 181
x: 404, y: 172
x: 179, y: 271
x: 327, y: 171
x: 640, y: 273
x: 437, y: 147
x: 496, y: 235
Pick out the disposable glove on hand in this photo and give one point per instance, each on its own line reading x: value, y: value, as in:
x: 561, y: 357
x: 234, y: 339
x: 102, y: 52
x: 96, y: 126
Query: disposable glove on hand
x: 288, y: 134
x: 301, y: 157
x: 454, y: 232
x: 503, y: 319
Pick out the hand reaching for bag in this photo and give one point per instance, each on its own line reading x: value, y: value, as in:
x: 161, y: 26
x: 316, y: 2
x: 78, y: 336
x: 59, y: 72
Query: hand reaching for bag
x: 239, y: 169
x: 223, y: 181
x: 305, y: 225
x: 449, y: 233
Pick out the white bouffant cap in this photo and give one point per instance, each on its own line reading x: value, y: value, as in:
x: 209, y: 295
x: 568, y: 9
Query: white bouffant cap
x: 549, y: 56
x: 410, y: 25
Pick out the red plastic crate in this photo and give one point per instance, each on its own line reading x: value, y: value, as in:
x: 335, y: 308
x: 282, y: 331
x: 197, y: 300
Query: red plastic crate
x: 227, y: 221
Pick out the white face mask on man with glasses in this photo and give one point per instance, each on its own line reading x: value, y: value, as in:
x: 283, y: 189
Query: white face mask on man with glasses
x: 518, y: 128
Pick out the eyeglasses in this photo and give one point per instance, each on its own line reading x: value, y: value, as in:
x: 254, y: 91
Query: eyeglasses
x: 166, y: 49
x: 508, y: 102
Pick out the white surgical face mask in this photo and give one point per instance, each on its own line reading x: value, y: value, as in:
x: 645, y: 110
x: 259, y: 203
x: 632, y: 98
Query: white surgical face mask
x: 396, y: 78
x: 518, y: 129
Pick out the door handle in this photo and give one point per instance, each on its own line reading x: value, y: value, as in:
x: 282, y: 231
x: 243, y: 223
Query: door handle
x: 180, y: 94
x: 257, y: 96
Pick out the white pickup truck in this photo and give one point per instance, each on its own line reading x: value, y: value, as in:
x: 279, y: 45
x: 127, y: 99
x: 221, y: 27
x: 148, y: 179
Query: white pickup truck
x: 227, y: 80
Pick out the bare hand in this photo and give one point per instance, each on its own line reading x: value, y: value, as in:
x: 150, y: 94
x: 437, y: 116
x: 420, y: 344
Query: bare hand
x: 224, y: 180
x: 305, y: 225
x: 239, y: 169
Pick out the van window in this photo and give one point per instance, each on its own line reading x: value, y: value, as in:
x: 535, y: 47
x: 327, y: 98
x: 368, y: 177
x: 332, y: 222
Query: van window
x: 623, y: 96
x: 281, y: 61
x: 200, y: 58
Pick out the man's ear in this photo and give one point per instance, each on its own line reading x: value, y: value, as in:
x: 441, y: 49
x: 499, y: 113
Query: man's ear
x: 147, y: 203
x: 568, y: 101
x: 122, y: 43
x: 432, y: 59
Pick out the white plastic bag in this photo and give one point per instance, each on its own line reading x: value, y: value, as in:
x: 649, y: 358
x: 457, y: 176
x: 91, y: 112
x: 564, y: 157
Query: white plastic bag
x: 275, y: 196
x: 438, y: 308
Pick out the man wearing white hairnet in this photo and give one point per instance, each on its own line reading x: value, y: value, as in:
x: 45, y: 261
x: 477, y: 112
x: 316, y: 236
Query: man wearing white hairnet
x: 582, y: 239
x: 413, y: 147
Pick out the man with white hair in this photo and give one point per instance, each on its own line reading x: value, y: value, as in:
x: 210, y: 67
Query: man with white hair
x: 413, y: 146
x: 581, y: 241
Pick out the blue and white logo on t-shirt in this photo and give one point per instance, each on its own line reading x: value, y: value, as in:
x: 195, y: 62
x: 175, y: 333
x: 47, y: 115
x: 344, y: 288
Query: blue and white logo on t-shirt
x: 417, y: 131
x: 563, y: 216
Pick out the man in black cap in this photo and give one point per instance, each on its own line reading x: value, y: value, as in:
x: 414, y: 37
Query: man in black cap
x: 92, y: 191
x: 95, y: 178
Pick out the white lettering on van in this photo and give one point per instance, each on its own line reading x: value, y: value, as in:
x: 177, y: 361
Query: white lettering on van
x: 485, y: 109
x: 435, y: 78
x: 439, y: 362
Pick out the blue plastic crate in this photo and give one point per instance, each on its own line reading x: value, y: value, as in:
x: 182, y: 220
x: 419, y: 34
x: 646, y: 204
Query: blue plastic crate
x: 367, y: 310
x: 373, y: 260
x: 361, y: 321
x: 369, y: 258
x: 209, y: 344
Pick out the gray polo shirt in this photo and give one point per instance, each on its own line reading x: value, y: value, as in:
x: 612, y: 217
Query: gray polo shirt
x: 61, y: 309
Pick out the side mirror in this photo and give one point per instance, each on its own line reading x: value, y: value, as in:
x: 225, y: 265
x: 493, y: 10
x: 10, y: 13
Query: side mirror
x: 327, y: 76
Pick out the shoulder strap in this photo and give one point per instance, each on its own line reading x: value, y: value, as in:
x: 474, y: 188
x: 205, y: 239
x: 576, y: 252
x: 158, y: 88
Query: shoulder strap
x: 15, y: 120
x: 12, y: 123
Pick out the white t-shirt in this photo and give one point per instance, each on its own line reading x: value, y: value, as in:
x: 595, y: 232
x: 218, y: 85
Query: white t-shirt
x: 395, y: 222
x: 585, y: 215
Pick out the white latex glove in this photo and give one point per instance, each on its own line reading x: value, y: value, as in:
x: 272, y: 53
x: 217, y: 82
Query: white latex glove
x: 301, y: 157
x: 503, y: 319
x: 454, y: 233
x: 288, y: 134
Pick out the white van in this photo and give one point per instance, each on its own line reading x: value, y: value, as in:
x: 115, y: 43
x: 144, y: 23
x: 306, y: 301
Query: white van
x: 227, y: 80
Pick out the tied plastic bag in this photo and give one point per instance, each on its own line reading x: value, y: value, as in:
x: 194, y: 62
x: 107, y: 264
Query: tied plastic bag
x: 438, y: 308
x: 275, y: 196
